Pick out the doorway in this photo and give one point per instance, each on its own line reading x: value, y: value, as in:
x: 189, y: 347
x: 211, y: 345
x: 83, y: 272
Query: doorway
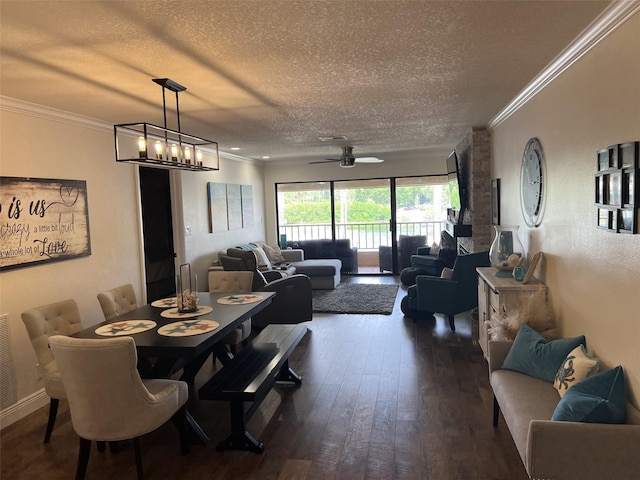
x: 157, y: 231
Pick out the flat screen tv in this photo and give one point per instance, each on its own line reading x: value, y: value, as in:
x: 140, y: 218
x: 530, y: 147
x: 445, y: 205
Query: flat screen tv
x: 457, y: 192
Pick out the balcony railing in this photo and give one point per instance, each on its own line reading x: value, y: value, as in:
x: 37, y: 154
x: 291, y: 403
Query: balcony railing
x: 364, y: 236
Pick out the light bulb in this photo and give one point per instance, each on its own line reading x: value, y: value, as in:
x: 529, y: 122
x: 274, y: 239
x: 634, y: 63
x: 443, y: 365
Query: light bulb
x: 174, y: 152
x: 187, y: 154
x: 142, y: 147
x: 158, y: 150
x: 199, y: 157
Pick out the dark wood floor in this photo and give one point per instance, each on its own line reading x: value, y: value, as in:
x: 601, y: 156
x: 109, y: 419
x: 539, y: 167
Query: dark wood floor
x: 382, y: 398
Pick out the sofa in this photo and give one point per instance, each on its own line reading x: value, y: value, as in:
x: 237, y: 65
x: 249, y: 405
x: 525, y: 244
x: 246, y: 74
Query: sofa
x: 274, y: 263
x: 327, y: 249
x: 324, y: 273
x: 559, y: 450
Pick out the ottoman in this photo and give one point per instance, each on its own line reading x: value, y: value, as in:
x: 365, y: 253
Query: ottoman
x: 324, y: 273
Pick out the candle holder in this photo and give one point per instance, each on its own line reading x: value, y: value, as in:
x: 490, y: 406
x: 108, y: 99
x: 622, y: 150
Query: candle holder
x: 186, y: 290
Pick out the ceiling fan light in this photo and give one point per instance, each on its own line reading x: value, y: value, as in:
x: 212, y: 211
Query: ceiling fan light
x: 347, y: 162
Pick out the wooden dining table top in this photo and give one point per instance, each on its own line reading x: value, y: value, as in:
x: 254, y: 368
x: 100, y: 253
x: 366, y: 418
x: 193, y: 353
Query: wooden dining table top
x: 150, y: 343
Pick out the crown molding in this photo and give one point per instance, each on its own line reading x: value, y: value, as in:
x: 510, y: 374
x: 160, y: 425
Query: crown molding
x: 606, y: 23
x: 53, y: 114
x: 14, y: 105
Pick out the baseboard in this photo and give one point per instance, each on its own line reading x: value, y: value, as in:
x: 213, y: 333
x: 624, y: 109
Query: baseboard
x: 23, y: 407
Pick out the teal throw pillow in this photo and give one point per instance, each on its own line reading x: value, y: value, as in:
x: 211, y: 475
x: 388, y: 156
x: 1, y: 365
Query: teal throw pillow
x: 600, y: 398
x: 534, y: 355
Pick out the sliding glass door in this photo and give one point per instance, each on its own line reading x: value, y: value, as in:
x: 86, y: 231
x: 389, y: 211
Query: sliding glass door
x: 421, y: 210
x: 363, y: 214
x: 372, y: 225
x: 305, y: 211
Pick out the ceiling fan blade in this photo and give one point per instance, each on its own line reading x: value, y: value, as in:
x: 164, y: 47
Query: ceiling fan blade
x: 328, y: 160
x: 369, y: 160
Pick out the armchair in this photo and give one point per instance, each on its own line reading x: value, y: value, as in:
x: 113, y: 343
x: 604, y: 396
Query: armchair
x: 407, y: 246
x: 432, y: 263
x: 292, y: 303
x: 449, y: 296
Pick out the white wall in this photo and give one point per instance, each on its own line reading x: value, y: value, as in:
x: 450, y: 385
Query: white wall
x: 593, y: 275
x: 202, y: 247
x: 35, y: 144
x: 43, y: 143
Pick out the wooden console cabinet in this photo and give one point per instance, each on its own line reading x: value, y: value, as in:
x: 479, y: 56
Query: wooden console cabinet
x: 495, y: 295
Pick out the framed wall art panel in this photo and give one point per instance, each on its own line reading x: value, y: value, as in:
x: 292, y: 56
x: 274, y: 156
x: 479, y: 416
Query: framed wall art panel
x: 42, y: 220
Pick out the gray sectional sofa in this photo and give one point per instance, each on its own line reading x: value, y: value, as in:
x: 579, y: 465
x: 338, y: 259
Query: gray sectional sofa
x: 328, y: 249
x: 560, y: 450
x: 323, y: 273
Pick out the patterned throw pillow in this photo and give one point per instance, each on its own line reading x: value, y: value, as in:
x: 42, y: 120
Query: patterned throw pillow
x: 576, y: 367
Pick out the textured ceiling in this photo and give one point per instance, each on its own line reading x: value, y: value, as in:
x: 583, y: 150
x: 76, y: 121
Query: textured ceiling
x: 398, y: 78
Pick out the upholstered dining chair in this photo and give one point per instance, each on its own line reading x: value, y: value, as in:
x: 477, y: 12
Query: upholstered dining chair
x: 109, y: 401
x: 117, y: 301
x: 233, y: 281
x: 60, y: 318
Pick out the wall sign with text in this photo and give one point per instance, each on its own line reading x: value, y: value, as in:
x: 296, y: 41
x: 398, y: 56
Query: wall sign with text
x: 42, y: 220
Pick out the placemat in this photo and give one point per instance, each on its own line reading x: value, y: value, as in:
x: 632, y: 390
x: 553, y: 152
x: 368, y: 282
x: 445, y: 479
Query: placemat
x: 173, y: 312
x: 187, y: 328
x: 165, y: 303
x: 127, y: 327
x: 239, y: 299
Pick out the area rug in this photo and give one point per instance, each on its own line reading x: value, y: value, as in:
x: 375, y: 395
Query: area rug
x: 356, y: 298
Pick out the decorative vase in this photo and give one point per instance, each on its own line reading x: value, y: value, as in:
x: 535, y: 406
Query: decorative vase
x: 186, y: 290
x: 507, y: 251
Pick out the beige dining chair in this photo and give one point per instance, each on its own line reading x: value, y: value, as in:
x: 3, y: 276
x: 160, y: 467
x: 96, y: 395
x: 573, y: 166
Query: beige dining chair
x: 60, y: 318
x: 117, y: 301
x: 107, y: 398
x: 238, y: 282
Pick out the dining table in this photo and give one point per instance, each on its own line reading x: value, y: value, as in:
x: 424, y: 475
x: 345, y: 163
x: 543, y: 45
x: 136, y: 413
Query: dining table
x: 167, y: 340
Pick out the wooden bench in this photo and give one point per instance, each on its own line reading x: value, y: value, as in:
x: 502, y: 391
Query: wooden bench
x: 247, y: 379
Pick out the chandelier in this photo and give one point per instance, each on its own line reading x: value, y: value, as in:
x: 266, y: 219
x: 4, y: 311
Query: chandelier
x: 160, y: 147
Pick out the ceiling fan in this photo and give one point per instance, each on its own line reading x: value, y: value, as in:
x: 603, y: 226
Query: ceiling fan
x: 347, y: 160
